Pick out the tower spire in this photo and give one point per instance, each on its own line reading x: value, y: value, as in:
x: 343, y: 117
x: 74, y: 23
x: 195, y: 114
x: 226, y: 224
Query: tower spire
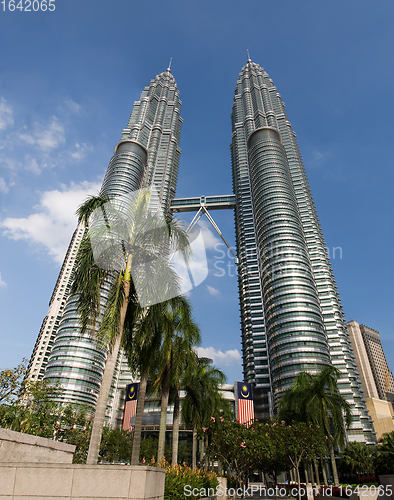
x: 169, y: 65
x: 249, y: 59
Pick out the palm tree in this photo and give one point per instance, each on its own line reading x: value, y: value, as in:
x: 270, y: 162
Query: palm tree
x: 316, y: 398
x: 385, y: 454
x: 202, y: 398
x: 141, y: 342
x: 180, y: 335
x: 358, y: 458
x: 184, y: 362
x: 121, y: 238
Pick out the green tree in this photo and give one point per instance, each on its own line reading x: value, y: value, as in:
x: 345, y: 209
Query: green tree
x: 202, y: 398
x: 271, y: 451
x: 74, y: 426
x: 358, y: 458
x: 385, y: 454
x: 234, y: 444
x: 118, y: 240
x: 148, y: 451
x: 180, y: 335
x: 301, y: 442
x: 11, y: 383
x: 316, y: 399
x: 35, y: 411
x: 31, y: 407
x: 116, y: 445
x: 141, y: 343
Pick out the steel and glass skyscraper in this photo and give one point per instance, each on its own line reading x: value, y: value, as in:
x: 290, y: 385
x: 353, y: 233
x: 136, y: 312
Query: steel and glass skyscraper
x: 147, y: 154
x: 291, y: 315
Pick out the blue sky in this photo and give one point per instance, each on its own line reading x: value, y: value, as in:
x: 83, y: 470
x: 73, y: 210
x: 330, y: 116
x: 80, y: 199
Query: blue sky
x: 68, y: 80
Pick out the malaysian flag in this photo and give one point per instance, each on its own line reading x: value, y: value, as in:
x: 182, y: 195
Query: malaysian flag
x: 130, y: 406
x: 244, y: 404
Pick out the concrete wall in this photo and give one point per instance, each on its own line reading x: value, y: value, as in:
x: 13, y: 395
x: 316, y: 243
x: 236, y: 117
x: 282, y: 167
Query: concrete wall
x: 19, y: 447
x: 82, y: 482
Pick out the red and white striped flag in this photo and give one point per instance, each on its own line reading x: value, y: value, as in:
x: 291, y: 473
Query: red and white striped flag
x: 130, y: 406
x: 244, y: 396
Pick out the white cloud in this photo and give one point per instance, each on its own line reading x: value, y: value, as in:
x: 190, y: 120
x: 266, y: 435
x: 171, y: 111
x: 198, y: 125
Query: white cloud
x: 3, y: 186
x: 10, y: 164
x: 213, y: 291
x: 72, y: 106
x: 79, y: 151
x: 45, y: 138
x: 6, y: 113
x: 32, y: 165
x: 219, y: 357
x: 54, y: 223
x: 2, y: 283
x: 210, y: 238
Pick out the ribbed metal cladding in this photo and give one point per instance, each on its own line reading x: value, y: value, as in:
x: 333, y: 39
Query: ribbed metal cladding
x: 126, y: 169
x: 75, y: 360
x: 294, y: 325
x: 257, y: 104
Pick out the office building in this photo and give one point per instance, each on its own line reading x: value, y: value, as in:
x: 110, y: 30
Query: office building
x: 382, y: 375
x: 375, y: 376
x: 291, y: 315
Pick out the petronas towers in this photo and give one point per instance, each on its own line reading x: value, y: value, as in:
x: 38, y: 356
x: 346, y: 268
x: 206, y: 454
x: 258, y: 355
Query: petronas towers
x: 291, y: 316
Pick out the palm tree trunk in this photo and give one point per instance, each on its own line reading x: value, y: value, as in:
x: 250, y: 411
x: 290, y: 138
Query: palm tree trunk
x: 194, y: 449
x: 175, y: 430
x: 323, y: 467
x: 101, y: 406
x: 135, y: 454
x: 334, y: 466
x: 163, y: 415
x: 99, y: 416
x: 201, y: 451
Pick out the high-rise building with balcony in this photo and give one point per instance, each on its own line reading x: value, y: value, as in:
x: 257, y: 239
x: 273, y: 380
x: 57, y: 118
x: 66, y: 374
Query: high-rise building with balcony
x: 147, y: 154
x: 382, y: 375
x: 376, y: 379
x: 291, y: 315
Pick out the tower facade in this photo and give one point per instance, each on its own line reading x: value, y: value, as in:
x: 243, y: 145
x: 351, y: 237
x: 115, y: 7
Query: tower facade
x: 291, y: 315
x: 147, y: 154
x: 376, y: 379
x: 381, y: 373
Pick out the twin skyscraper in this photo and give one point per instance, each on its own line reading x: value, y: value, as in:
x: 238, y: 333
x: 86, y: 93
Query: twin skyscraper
x: 291, y: 315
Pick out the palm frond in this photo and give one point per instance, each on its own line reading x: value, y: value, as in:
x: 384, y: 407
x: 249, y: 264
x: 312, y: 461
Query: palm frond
x: 85, y: 210
x: 87, y: 281
x: 108, y: 330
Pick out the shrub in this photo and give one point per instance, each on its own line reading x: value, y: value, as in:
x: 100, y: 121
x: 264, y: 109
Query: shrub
x: 178, y: 476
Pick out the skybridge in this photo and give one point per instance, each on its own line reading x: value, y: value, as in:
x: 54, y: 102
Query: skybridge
x: 221, y: 202
x: 201, y: 205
